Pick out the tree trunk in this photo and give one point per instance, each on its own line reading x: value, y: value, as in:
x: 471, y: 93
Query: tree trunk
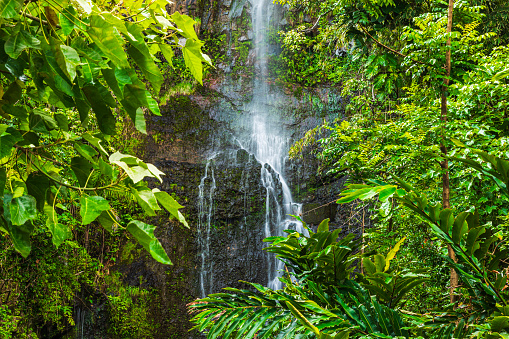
x: 445, y: 163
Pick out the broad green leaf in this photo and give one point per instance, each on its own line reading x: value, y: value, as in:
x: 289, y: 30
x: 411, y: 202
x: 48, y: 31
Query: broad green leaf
x: 156, y: 172
x: 106, y: 37
x: 72, y: 60
x: 185, y: 24
x: 106, y: 169
x: 69, y: 20
x: 404, y: 184
x: 117, y: 79
x: 386, y: 193
x: 305, y: 322
x: 10, y: 8
x: 350, y: 195
x: 136, y: 96
x: 95, y: 141
x: 13, y: 93
x: 44, y: 117
x: 460, y: 227
x: 103, y: 113
x: 91, y: 207
x: 446, y: 220
x: 472, y: 244
x: 59, y: 232
x: 193, y: 59
x: 130, y: 165
x: 83, y: 109
x: 392, y: 254
x: 324, y: 226
x: 7, y: 141
x: 141, y: 55
x: 369, y: 266
x: 380, y: 262
x: 23, y: 209
x: 37, y: 186
x: 144, y: 234
x: 167, y: 53
x: 85, y: 5
x: 20, y: 41
x: 20, y: 235
x: 81, y: 168
x: 86, y: 151
x: 170, y: 204
x: 108, y: 220
x: 3, y: 179
x: 146, y: 199
x: 62, y: 122
x: 500, y: 323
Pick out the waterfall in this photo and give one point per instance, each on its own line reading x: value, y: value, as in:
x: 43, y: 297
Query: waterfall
x: 261, y: 132
x: 270, y: 144
x: 205, y: 215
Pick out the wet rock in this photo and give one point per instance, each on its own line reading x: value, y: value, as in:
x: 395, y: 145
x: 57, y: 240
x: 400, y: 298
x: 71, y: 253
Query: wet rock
x: 243, y: 38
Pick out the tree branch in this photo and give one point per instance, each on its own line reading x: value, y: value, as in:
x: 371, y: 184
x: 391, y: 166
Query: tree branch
x: 393, y: 50
x: 44, y: 22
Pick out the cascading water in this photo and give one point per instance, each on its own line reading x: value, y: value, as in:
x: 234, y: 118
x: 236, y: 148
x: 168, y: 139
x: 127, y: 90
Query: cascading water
x: 205, y: 215
x: 263, y: 135
x: 269, y: 143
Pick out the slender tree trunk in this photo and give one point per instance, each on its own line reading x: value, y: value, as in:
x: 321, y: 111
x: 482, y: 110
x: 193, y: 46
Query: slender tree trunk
x: 362, y: 239
x: 445, y: 163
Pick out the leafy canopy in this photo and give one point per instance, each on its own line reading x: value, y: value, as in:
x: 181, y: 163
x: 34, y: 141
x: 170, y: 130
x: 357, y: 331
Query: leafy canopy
x: 71, y: 71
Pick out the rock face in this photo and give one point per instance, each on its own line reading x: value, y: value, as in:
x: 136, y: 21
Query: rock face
x: 193, y: 137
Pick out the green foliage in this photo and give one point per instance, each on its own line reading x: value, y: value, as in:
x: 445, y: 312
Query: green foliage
x: 60, y: 64
x: 321, y: 299
x: 72, y: 74
x: 129, y: 310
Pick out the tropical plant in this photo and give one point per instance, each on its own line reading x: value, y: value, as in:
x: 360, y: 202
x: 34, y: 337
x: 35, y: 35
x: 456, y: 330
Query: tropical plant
x: 60, y: 61
x: 322, y: 297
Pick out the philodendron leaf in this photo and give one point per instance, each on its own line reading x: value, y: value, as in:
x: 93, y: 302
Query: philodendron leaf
x: 71, y: 60
x: 81, y: 168
x: 92, y: 207
x: 23, y: 209
x: 37, y: 185
x: 8, y: 139
x: 134, y: 167
x: 167, y: 53
x: 144, y: 234
x: 170, y: 204
x: 3, y: 179
x: 140, y: 53
x: 59, y: 232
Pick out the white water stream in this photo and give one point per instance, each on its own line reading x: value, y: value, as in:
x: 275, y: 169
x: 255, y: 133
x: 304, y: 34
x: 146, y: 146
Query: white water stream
x: 268, y: 142
x: 205, y: 215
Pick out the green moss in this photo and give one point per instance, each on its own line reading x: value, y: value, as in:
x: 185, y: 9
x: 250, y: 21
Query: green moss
x: 129, y: 309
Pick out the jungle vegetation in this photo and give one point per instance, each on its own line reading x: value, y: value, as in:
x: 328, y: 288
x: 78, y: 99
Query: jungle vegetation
x: 73, y: 74
x: 425, y: 144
